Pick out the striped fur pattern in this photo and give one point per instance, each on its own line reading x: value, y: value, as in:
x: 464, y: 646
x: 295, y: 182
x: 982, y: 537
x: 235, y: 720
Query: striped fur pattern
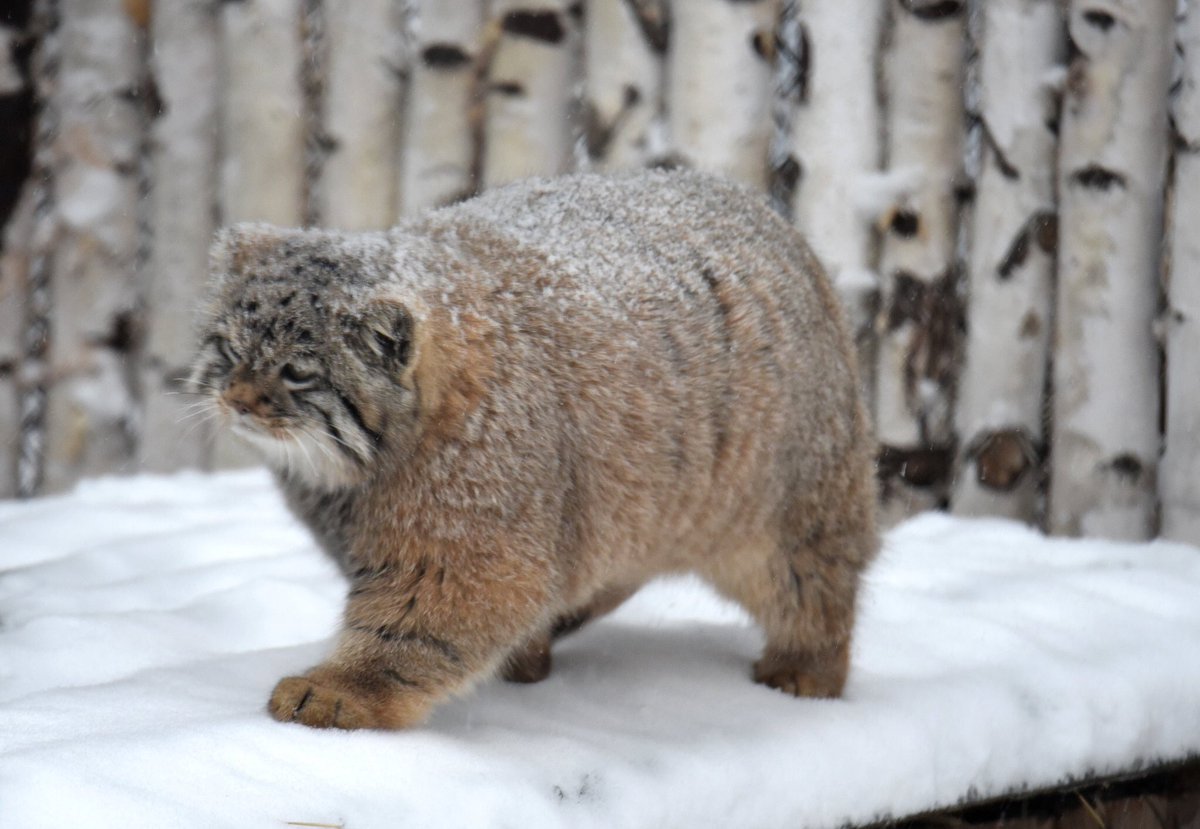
x: 503, y: 417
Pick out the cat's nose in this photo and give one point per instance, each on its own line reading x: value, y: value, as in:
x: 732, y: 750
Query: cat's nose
x: 244, y: 399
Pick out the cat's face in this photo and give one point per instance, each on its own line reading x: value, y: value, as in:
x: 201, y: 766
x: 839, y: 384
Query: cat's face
x: 301, y: 362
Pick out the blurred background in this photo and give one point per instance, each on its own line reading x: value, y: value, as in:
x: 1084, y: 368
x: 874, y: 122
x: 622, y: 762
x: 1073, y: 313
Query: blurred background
x: 1005, y: 193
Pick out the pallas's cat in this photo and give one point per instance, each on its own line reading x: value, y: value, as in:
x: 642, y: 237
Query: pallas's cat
x: 502, y: 418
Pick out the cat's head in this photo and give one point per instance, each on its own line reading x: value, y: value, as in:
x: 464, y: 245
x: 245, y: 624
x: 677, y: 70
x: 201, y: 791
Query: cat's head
x: 307, y: 351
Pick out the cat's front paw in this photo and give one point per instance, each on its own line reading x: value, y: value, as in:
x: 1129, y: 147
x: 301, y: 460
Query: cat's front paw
x: 304, y: 700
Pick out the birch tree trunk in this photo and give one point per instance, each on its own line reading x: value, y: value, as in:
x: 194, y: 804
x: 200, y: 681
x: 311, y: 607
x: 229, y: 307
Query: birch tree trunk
x: 919, y: 320
x: 835, y: 146
x: 719, y: 86
x: 16, y: 214
x: 442, y: 134
x: 91, y: 411
x: 362, y: 111
x: 1010, y: 268
x: 262, y: 124
x: 263, y: 159
x: 1111, y: 173
x: 1179, y: 476
x: 14, y: 281
x: 530, y: 91
x: 184, y: 64
x: 624, y: 45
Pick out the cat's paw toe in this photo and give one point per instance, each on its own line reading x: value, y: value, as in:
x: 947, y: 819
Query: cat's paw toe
x: 300, y: 699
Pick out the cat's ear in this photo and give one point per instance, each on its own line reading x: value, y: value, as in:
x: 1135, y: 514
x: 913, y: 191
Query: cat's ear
x: 384, y: 331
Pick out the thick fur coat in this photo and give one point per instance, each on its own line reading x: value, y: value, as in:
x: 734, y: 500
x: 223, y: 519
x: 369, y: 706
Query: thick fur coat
x: 502, y: 418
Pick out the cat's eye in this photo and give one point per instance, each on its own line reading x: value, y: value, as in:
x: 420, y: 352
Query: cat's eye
x: 298, y: 378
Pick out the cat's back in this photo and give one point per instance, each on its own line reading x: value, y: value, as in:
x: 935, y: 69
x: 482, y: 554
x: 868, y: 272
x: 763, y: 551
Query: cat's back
x: 651, y: 250
x: 646, y: 234
x: 683, y: 330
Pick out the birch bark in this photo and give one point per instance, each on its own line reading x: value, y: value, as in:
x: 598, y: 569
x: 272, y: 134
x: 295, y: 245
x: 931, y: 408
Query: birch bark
x: 1010, y: 269
x: 529, y: 99
x: 15, y: 255
x: 16, y: 213
x: 362, y: 113
x: 442, y: 127
x: 835, y: 146
x: 91, y: 413
x: 719, y: 86
x: 624, y: 45
x: 184, y: 136
x: 263, y: 159
x: 920, y: 311
x: 1111, y: 173
x: 262, y: 123
x: 1179, y: 477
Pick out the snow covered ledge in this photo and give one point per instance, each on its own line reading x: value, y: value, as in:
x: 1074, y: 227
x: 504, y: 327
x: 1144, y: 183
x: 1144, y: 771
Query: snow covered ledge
x: 143, y: 622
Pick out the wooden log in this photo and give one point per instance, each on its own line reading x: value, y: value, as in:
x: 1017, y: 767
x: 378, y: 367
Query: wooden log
x: 529, y: 93
x: 263, y: 158
x: 1111, y: 173
x: 1179, y: 483
x: 16, y: 227
x: 39, y: 243
x: 91, y: 411
x: 444, y: 115
x: 835, y: 147
x: 362, y: 98
x: 184, y: 65
x: 1010, y: 268
x: 15, y: 255
x: 262, y: 123
x: 919, y: 320
x: 719, y: 86
x: 624, y: 45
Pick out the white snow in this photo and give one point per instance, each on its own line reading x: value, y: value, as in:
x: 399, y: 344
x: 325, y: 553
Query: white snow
x: 144, y: 621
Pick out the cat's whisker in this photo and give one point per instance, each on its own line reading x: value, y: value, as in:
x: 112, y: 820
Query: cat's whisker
x: 315, y: 439
x: 307, y: 456
x: 332, y: 459
x: 196, y: 419
x: 345, y: 444
x: 194, y: 426
x: 192, y: 409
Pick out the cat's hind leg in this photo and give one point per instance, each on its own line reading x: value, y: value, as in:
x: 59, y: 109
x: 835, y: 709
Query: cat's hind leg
x: 531, y: 661
x: 802, y: 589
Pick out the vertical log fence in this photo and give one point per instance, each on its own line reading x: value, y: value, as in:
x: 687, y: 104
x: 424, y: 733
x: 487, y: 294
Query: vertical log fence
x: 1003, y: 193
